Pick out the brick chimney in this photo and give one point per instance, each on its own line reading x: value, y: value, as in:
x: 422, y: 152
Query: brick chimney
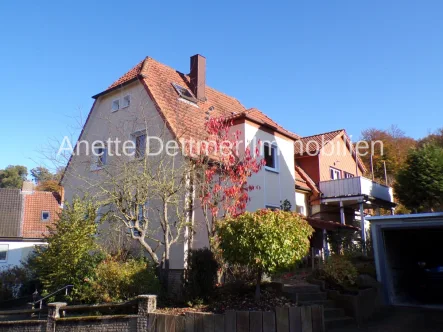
x: 198, y: 76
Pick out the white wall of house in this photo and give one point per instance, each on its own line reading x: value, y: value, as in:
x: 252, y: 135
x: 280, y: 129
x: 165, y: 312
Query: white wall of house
x: 17, y: 251
x: 105, y: 123
x: 274, y: 185
x: 301, y: 201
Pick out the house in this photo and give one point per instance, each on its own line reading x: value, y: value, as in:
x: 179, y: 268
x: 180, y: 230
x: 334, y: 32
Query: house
x: 156, y: 99
x: 333, y: 181
x: 24, y: 217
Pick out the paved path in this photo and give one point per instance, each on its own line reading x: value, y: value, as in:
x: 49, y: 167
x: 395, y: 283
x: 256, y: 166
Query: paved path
x: 402, y: 319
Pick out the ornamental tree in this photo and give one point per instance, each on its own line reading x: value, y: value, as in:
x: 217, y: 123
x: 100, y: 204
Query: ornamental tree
x: 223, y: 168
x: 264, y: 241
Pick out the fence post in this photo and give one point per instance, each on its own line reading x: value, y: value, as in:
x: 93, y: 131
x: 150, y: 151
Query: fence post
x: 53, y: 314
x: 146, y: 304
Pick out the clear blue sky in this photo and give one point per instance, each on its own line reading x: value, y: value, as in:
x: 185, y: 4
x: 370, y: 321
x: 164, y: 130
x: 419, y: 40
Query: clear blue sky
x: 313, y: 66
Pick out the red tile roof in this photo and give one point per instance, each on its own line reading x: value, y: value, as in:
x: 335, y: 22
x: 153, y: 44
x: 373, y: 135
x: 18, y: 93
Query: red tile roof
x: 131, y: 74
x: 181, y: 116
x: 35, y: 203
x: 313, y: 144
x: 304, y: 180
x: 259, y: 117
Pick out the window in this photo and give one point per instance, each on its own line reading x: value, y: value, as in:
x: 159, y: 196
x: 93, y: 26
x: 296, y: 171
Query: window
x: 348, y: 175
x: 184, y: 93
x: 141, y: 216
x: 4, y: 252
x: 300, y: 209
x: 270, y: 155
x: 126, y: 101
x: 99, y: 156
x: 46, y: 215
x: 115, y: 105
x: 335, y: 173
x: 140, y: 146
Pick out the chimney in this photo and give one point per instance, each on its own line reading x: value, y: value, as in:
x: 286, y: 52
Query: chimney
x: 198, y: 76
x: 28, y: 186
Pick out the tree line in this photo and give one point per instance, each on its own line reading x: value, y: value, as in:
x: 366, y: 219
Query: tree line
x: 414, y: 168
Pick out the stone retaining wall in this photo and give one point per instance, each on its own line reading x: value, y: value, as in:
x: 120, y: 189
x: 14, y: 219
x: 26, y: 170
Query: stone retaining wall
x: 284, y: 319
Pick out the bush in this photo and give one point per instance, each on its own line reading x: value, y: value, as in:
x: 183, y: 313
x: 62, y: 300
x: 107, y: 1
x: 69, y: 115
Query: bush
x: 15, y: 282
x: 116, y: 281
x: 339, y: 271
x: 264, y: 241
x: 202, y: 274
x: 72, y: 253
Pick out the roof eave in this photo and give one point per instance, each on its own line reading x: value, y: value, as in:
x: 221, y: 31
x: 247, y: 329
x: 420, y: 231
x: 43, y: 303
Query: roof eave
x: 116, y: 87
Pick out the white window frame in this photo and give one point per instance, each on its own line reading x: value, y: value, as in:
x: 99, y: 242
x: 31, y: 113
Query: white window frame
x: 274, y: 147
x: 134, y: 137
x: 124, y: 105
x: 7, y: 252
x: 49, y: 215
x: 301, y: 208
x: 97, y: 161
x: 115, y: 106
x: 333, y: 170
x: 348, y: 175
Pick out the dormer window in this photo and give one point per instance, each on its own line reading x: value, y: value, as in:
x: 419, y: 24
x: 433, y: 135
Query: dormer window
x: 184, y: 93
x: 46, y: 216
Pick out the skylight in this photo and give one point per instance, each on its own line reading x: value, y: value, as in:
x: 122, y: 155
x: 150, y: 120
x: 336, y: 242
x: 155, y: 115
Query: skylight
x: 184, y: 93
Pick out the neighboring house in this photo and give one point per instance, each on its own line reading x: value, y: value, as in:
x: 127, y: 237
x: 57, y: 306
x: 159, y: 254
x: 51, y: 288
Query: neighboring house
x: 333, y: 181
x: 24, y: 217
x: 158, y: 99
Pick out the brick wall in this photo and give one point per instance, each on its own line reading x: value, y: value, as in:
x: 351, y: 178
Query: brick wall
x: 24, y: 326
x: 97, y: 324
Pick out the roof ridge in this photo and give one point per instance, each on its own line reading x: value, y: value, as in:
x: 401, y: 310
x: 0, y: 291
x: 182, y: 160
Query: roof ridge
x: 328, y: 132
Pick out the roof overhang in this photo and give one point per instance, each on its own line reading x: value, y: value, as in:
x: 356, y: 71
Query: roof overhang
x: 132, y: 80
x: 329, y: 225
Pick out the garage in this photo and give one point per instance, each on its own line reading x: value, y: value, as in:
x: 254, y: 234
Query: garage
x: 408, y: 254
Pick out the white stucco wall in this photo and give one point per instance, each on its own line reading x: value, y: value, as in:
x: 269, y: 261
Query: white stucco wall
x: 103, y: 123
x: 17, y: 251
x: 274, y: 187
x: 300, y: 200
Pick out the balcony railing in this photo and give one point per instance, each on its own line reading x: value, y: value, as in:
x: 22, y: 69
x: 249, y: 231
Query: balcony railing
x: 356, y: 186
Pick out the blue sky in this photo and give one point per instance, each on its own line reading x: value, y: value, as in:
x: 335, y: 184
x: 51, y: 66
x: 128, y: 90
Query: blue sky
x: 313, y: 66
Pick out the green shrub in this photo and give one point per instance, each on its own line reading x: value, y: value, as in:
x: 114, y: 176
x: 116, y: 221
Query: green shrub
x: 202, y: 274
x: 339, y: 271
x: 72, y: 253
x: 264, y: 241
x: 116, y: 281
x: 15, y: 282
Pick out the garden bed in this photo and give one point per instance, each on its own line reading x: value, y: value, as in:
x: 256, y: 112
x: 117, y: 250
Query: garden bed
x: 239, y: 298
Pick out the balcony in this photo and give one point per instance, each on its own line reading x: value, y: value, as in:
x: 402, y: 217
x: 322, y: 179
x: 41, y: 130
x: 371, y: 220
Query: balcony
x: 354, y: 187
